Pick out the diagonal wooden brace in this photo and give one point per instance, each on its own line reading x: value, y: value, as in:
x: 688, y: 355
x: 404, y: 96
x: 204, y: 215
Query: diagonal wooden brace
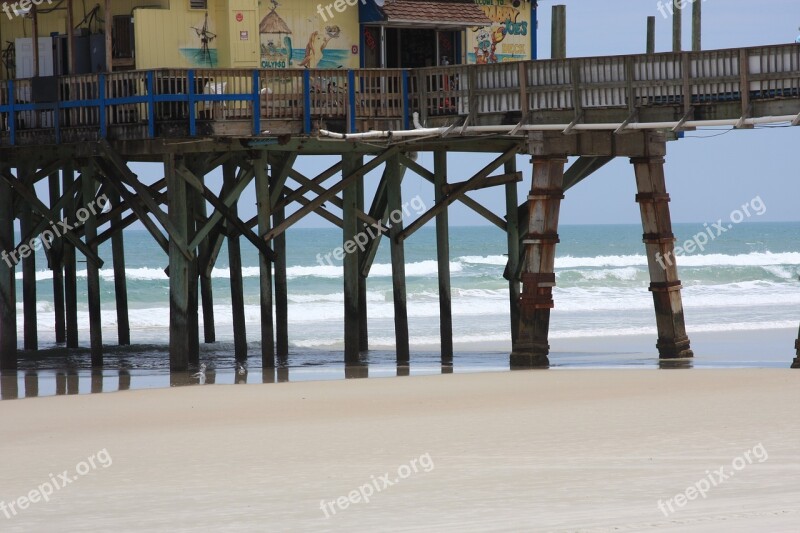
x: 30, y: 196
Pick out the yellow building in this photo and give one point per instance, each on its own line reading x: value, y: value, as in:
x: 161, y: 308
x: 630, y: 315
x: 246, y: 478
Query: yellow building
x: 274, y: 34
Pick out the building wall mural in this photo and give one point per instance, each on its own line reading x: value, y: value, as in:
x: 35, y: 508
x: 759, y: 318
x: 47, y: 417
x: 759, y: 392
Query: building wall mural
x: 509, y: 36
x: 295, y: 35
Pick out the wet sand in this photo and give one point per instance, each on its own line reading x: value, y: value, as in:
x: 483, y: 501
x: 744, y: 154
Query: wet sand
x: 534, y: 450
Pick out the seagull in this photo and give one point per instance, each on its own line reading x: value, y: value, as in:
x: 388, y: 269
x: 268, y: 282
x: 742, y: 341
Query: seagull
x: 240, y: 369
x: 202, y: 374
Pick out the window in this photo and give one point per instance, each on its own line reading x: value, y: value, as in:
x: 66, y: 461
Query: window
x: 198, y: 4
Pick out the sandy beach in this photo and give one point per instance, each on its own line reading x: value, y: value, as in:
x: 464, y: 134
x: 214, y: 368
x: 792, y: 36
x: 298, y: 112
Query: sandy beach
x: 557, y: 450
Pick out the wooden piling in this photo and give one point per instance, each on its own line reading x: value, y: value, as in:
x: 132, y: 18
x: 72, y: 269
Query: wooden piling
x: 538, y: 273
x: 651, y: 35
x: 512, y: 231
x: 120, y: 278
x: 70, y: 266
x: 352, y: 337
x: 796, y: 362
x: 395, y: 207
x: 697, y: 26
x: 443, y: 258
x: 8, y: 284
x: 57, y: 264
x: 31, y: 384
x: 363, y: 322
x: 677, y: 29
x: 281, y: 287
x: 178, y: 270
x: 558, y: 42
x: 9, y: 385
x: 97, y: 381
x: 193, y: 317
x: 235, y: 266
x: 92, y: 270
x: 204, y: 257
x: 673, y: 343
x: 27, y: 252
x: 264, y: 206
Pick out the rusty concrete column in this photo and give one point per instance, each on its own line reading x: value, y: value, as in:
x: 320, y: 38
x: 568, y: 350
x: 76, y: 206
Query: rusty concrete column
x: 673, y: 343
x: 538, y: 270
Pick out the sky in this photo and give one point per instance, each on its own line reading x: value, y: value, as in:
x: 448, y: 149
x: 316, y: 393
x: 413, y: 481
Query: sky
x: 709, y: 173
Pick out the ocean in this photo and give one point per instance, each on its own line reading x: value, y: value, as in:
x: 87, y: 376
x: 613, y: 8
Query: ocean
x: 747, y: 279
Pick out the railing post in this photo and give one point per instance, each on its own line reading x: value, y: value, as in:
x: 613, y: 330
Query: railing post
x: 151, y: 106
x: 351, y: 101
x: 523, y: 90
x: 422, y: 94
x: 687, y: 87
x: 101, y: 92
x: 12, y: 114
x: 406, y: 103
x: 57, y: 121
x: 307, y: 102
x: 190, y: 96
x: 744, y: 73
x: 257, y: 102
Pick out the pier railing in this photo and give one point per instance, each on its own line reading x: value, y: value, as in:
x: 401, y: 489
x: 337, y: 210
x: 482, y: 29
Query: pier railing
x: 229, y: 102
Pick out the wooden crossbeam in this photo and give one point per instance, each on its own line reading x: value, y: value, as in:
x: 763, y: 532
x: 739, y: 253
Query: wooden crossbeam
x: 465, y: 187
x: 324, y: 176
x: 302, y: 180
x: 225, y: 211
x: 321, y: 211
x: 131, y: 200
x: 280, y: 171
x: 45, y: 171
x: 129, y: 178
x: 581, y: 169
x: 30, y: 196
x: 43, y: 222
x: 333, y: 191
x: 427, y: 175
x: 380, y: 211
x: 491, y: 181
x: 246, y: 176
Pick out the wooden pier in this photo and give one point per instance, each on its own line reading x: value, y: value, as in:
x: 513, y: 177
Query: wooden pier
x: 80, y: 133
